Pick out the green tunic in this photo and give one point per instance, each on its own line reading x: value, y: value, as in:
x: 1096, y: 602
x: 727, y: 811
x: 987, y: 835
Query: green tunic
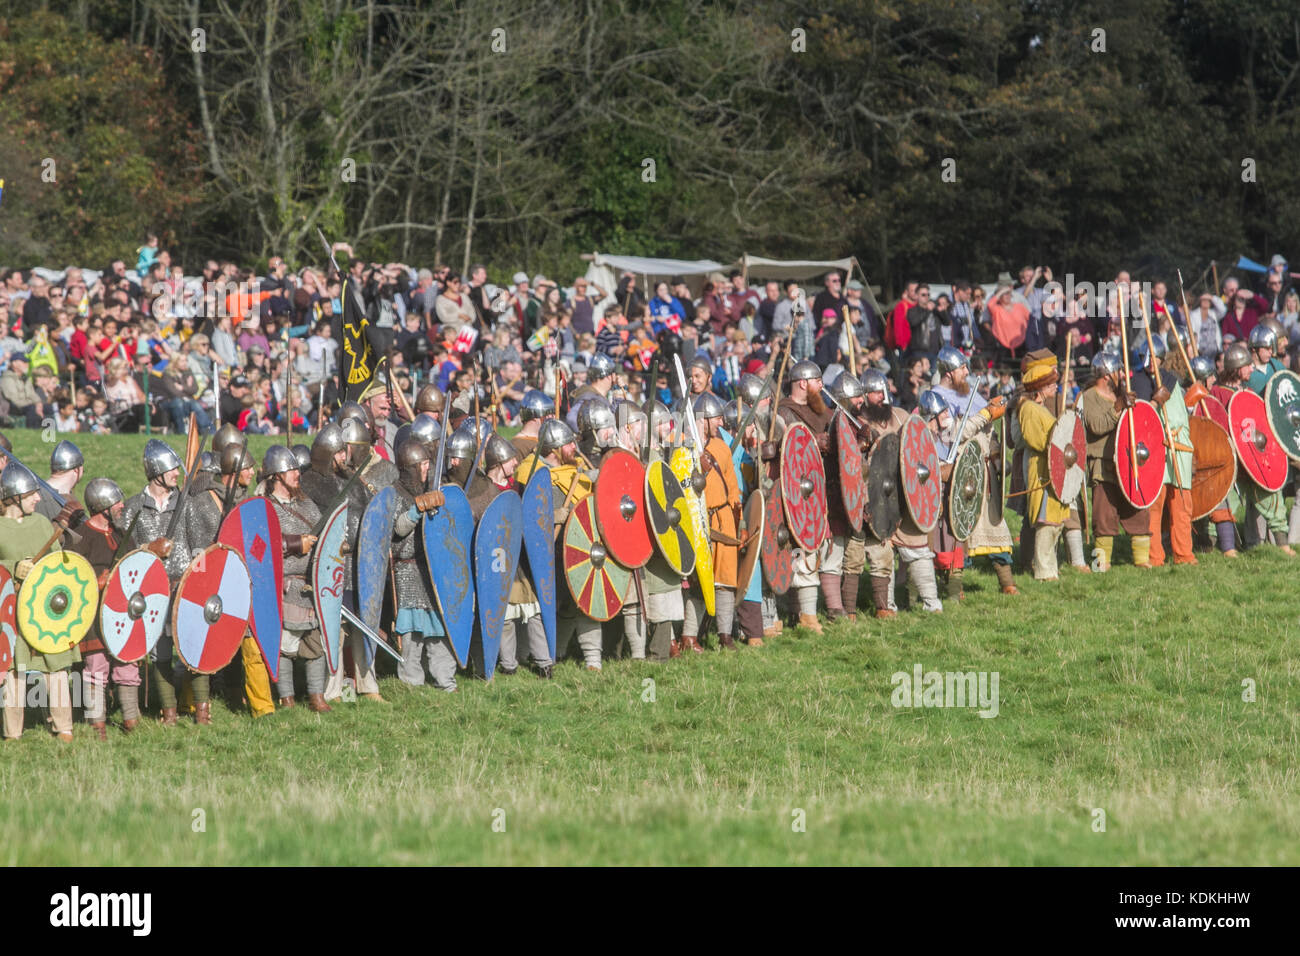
x: 1174, y: 413
x: 20, y: 539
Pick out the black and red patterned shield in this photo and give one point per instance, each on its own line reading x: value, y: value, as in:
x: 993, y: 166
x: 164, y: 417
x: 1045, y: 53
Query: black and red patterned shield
x: 919, y: 461
x: 884, y: 508
x: 620, y: 509
x: 1067, y: 451
x: 851, y: 479
x: 803, y: 487
x: 1258, y: 449
x: 1140, y: 454
x: 776, y: 557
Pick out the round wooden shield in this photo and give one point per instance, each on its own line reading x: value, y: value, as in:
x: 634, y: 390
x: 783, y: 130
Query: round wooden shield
x: 1257, y: 447
x: 776, y: 557
x: 1214, y: 465
x: 596, y: 581
x: 966, y: 490
x: 1282, y: 399
x: 884, y: 509
x: 995, y: 473
x: 1140, y: 454
x: 1067, y: 452
x: 754, y: 508
x: 1213, y: 409
x: 210, y: 615
x: 852, y: 480
x: 57, y: 602
x: 670, y: 517
x: 620, y: 509
x: 803, y: 487
x: 133, y: 612
x: 919, y: 463
x: 8, y: 620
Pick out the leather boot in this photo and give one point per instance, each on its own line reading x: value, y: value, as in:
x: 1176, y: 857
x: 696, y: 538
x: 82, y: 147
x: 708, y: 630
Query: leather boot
x: 287, y: 701
x: 727, y: 641
x: 880, y: 596
x: 1005, y: 580
x: 953, y: 591
x: 831, y: 594
x: 674, y: 648
x: 101, y: 729
x: 316, y: 704
x: 129, y: 725
x: 689, y: 643
x: 203, y: 712
x: 810, y: 622
x: 168, y: 717
x: 849, y: 594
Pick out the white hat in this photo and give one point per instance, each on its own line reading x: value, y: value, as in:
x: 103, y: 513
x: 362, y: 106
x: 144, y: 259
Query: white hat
x: 519, y: 277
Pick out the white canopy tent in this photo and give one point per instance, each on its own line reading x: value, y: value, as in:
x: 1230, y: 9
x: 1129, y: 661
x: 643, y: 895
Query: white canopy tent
x: 605, y: 271
x: 756, y: 267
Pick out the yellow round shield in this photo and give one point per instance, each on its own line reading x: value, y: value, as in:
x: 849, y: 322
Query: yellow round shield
x: 57, y: 602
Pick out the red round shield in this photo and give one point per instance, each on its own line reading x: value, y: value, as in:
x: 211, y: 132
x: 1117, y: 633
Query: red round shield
x: 803, y: 487
x: 1257, y: 447
x: 1214, y: 409
x: 1140, y: 454
x: 620, y: 509
x: 8, y: 619
x: 1066, y: 454
x: 776, y: 557
x: 922, y: 487
x: 852, y: 482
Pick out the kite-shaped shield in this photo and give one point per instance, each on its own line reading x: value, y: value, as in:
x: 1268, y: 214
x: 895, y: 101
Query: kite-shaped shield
x: 539, y: 545
x: 803, y: 487
x: 620, y: 509
x: 776, y: 557
x: 596, y: 581
x: 497, y: 542
x: 1214, y: 465
x: 884, y: 502
x: 57, y: 602
x: 1257, y: 447
x: 670, y: 518
x: 448, y: 544
x: 8, y: 620
x: 1140, y: 454
x: 133, y: 611
x: 1067, y: 452
x: 253, y: 529
x: 918, y: 459
x: 754, y: 508
x: 682, y: 464
x: 852, y: 478
x: 966, y: 490
x: 1282, y: 398
x: 328, y: 582
x: 374, y: 548
x: 212, y: 608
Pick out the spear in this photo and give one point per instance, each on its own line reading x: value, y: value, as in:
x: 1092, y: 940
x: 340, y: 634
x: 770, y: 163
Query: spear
x: 1155, y: 376
x: 1128, y: 384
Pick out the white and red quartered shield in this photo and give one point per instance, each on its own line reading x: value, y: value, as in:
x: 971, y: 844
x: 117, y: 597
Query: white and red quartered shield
x: 8, y: 619
x: 211, y: 610
x: 133, y: 610
x: 1067, y: 451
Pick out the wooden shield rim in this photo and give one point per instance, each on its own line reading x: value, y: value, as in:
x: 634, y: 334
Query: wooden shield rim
x: 331, y: 663
x: 103, y: 606
x: 1268, y: 405
x: 770, y: 529
x: 1202, y: 422
x: 969, y: 448
x: 753, y: 547
x: 589, y: 505
x: 638, y: 552
x: 463, y: 636
x: 545, y: 558
x: 515, y: 537
x: 1122, y: 433
x: 1247, y: 397
x: 1214, y: 402
x: 815, y: 467
x: 176, y: 603
x: 63, y: 557
x: 898, y: 477
x: 660, y: 467
x: 847, y: 451
x: 920, y: 428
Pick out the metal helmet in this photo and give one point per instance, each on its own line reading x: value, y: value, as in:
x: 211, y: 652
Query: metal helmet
x: 498, y: 452
x: 355, y: 432
x: 461, y: 444
x: 1235, y: 356
x: 950, y: 359
x: 16, y: 481
x: 302, y: 455
x: 659, y: 414
x: 554, y: 434
x: 930, y: 403
x: 236, y: 458
x: 1158, y: 342
x: 1263, y: 337
x: 536, y: 404
x: 731, y: 416
x: 410, y: 453
x: 65, y: 457
x: 209, y: 463
x: 873, y: 380
x: 1138, y: 357
x: 600, y: 366
x: 101, y: 494
x: 805, y: 370
x: 846, y: 386
x: 701, y: 361
x: 402, y: 434
x: 225, y: 435
x: 1106, y: 363
x: 594, y: 416
x: 159, y: 458
x: 1202, y: 368
x: 278, y: 460
x: 628, y: 412
x: 709, y: 405
x: 351, y: 410
x: 753, y: 389
x: 327, y: 443
x: 430, y: 399
x: 1275, y: 325
x: 426, y: 428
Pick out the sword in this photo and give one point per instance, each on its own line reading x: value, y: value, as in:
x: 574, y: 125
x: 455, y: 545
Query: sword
x: 361, y: 626
x: 125, y: 543
x: 965, y: 417
x: 690, y: 409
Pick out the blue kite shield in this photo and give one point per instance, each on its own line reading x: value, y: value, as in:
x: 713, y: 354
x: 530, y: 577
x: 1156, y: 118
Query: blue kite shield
x: 253, y: 530
x: 496, y: 559
x: 374, y: 545
x: 448, y: 542
x: 328, y: 583
x: 539, y: 546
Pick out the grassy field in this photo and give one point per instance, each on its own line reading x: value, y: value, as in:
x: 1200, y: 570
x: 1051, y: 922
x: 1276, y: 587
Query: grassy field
x: 1120, y: 693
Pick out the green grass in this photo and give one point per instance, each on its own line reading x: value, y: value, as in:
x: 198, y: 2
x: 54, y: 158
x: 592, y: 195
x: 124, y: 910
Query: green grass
x: 1120, y: 691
